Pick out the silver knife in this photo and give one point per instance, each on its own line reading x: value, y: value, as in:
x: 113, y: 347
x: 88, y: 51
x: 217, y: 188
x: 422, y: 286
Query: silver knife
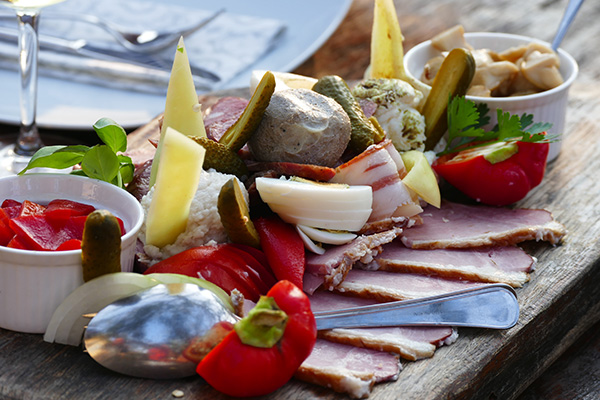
x: 83, y: 48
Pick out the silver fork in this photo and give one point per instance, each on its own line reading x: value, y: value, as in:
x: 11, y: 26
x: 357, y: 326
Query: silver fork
x: 148, y: 41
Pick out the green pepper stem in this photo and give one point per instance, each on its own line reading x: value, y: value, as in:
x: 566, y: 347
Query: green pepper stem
x: 264, y: 325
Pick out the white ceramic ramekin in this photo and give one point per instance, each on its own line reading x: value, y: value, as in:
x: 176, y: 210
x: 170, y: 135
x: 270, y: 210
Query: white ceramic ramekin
x: 548, y: 106
x: 34, y: 283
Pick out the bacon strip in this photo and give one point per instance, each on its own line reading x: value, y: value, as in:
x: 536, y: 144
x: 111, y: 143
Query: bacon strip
x: 334, y: 264
x: 379, y: 168
x: 459, y: 226
x: 509, y: 264
x: 348, y: 369
x: 411, y: 343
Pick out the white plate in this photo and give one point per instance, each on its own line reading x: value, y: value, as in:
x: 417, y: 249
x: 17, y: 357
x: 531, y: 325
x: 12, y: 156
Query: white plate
x: 70, y: 105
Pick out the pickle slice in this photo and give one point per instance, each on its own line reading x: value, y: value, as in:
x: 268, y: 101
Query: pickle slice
x: 221, y: 157
x: 100, y: 245
x: 240, y: 132
x: 453, y: 79
x: 364, y: 133
x: 235, y: 215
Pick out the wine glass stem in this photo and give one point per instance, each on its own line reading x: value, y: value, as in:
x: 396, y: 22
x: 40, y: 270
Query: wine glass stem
x: 29, y: 140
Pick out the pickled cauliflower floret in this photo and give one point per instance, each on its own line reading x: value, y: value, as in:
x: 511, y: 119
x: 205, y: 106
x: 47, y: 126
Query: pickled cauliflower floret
x: 396, y: 112
x: 204, y: 225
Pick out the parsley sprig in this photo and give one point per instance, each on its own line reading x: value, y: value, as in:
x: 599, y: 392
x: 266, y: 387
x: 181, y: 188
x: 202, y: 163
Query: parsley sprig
x: 101, y: 161
x: 467, y: 119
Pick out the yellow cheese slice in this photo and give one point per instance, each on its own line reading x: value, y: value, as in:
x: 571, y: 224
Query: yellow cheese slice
x: 177, y: 179
x: 182, y: 109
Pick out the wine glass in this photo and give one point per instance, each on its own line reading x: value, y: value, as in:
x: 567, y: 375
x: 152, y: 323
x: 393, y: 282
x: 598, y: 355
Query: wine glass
x: 14, y: 157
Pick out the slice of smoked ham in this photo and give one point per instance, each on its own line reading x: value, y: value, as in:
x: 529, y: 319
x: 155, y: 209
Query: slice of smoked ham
x: 411, y: 343
x: 508, y: 264
x: 348, y: 369
x: 222, y: 115
x: 390, y: 286
x: 334, y: 264
x: 459, y: 226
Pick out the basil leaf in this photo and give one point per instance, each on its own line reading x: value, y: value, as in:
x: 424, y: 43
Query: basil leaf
x: 100, y: 162
x: 78, y: 172
x: 57, y: 157
x: 112, y: 134
x: 126, y: 172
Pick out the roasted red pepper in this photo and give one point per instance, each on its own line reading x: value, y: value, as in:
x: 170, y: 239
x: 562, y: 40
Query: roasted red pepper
x: 266, y: 347
x: 497, y: 174
x: 283, y: 247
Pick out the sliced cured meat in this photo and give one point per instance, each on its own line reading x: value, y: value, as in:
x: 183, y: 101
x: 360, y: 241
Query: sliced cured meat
x: 508, y: 264
x: 390, y: 286
x: 379, y: 168
x: 222, y: 115
x: 140, y: 184
x: 411, y: 343
x: 458, y: 226
x: 348, y: 369
x: 334, y: 264
x: 307, y: 171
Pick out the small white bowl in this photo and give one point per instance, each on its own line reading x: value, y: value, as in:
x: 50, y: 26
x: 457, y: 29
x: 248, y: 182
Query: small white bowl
x: 34, y: 283
x: 548, y: 106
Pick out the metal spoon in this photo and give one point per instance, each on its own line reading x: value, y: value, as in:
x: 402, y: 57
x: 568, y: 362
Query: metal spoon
x: 565, y: 22
x: 150, y: 333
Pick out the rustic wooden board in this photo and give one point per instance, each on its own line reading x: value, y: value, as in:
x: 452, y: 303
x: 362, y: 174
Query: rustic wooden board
x: 560, y: 303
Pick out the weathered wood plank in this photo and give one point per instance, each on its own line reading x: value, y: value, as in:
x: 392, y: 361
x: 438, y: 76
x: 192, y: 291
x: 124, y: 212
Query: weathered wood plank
x: 561, y: 301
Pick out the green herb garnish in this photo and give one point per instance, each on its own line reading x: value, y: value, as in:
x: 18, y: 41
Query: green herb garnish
x: 467, y: 119
x: 101, y: 161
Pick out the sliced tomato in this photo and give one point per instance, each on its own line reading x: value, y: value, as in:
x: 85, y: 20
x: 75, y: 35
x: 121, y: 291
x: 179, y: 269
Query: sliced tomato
x: 214, y: 264
x: 257, y: 261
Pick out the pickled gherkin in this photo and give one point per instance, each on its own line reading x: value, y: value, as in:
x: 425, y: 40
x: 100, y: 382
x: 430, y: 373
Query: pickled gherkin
x: 364, y: 133
x: 100, y: 245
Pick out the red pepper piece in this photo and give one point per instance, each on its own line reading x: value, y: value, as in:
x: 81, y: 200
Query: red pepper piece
x: 215, y: 265
x: 16, y: 243
x: 494, y: 182
x: 8, y: 213
x: 11, y: 203
x: 70, y: 206
x: 39, y: 234
x: 283, y: 247
x: 6, y: 233
x: 59, y: 211
x: 72, y: 244
x: 282, y: 331
x: 31, y: 208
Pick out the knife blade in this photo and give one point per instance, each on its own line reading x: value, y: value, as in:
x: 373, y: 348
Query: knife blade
x: 84, y: 48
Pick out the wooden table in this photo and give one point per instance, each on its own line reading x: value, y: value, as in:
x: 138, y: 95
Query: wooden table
x: 559, y: 305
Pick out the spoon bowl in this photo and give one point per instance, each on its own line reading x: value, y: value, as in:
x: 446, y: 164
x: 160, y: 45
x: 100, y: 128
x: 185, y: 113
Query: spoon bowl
x: 158, y: 333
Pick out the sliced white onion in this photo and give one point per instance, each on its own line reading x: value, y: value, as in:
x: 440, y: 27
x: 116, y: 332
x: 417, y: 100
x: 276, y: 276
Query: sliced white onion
x: 328, y: 237
x: 309, y: 244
